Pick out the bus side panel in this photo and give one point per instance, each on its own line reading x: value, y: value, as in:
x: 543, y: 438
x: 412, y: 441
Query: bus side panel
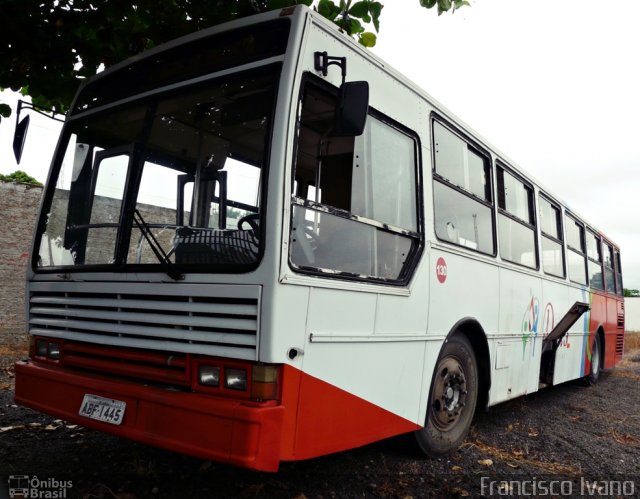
x: 598, y: 318
x: 569, y: 361
x: 461, y: 289
x: 331, y: 419
x: 355, y: 387
x: 516, y: 368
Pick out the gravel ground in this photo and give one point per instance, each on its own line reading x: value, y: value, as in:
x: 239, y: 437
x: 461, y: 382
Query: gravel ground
x: 570, y: 438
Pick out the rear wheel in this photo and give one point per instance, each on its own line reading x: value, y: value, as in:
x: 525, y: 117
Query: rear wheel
x: 596, y: 361
x: 452, y: 399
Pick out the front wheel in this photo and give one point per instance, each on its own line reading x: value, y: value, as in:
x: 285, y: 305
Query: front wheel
x: 452, y: 398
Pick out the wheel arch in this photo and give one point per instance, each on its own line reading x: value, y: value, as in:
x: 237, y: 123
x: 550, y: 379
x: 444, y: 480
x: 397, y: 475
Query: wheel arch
x: 476, y: 335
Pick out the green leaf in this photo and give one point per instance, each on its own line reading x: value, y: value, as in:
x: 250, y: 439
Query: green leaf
x: 354, y: 26
x: 375, y: 8
x: 5, y: 111
x: 460, y: 3
x: 443, y: 6
x: 368, y: 39
x: 359, y: 9
x: 428, y: 3
x: 281, y: 4
x: 328, y: 9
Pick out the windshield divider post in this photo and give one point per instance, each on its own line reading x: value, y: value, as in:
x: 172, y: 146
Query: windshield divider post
x: 162, y: 257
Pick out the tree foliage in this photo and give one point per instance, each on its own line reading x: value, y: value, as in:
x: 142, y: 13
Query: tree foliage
x: 48, y: 46
x: 631, y: 293
x: 19, y: 176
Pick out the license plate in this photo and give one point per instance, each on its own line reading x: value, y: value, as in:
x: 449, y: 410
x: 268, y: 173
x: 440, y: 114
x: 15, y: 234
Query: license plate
x: 102, y: 409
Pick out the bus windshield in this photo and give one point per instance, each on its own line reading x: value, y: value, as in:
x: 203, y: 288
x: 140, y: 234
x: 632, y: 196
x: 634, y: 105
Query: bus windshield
x: 175, y: 179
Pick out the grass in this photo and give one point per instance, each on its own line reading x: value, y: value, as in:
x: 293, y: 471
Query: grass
x: 10, y: 353
x: 631, y: 341
x: 16, y: 350
x: 516, y: 458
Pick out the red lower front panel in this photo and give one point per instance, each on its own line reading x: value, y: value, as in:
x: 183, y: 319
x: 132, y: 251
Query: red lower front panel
x: 313, y: 417
x: 233, y: 431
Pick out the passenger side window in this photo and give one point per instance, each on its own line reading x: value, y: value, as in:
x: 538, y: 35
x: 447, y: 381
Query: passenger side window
x: 462, y: 192
x: 619, y: 289
x: 609, y: 272
x: 551, y: 228
x: 576, y: 250
x: 516, y: 220
x: 354, y: 203
x: 594, y: 261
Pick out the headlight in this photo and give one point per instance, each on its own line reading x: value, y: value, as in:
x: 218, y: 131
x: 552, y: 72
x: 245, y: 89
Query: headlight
x: 235, y: 379
x: 53, y: 350
x: 209, y: 375
x: 41, y: 348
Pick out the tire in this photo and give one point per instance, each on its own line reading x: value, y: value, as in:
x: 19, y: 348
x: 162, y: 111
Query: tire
x: 596, y: 362
x: 452, y: 398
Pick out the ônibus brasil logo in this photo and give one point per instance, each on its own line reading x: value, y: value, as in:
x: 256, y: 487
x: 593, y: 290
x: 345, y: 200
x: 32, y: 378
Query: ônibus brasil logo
x: 25, y: 486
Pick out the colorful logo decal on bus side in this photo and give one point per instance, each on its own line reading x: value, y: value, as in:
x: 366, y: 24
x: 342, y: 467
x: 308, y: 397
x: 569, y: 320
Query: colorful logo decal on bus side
x: 548, y: 319
x: 531, y: 325
x: 530, y: 322
x: 441, y: 270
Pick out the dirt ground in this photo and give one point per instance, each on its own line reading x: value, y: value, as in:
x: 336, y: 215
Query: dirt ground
x: 567, y: 439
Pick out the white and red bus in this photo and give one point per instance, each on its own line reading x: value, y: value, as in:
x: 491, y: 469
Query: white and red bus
x: 242, y: 257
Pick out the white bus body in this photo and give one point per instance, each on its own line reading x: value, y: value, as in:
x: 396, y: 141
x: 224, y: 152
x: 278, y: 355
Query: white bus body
x: 317, y: 342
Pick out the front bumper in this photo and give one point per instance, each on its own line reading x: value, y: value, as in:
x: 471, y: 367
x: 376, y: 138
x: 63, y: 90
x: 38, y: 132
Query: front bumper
x: 241, y: 433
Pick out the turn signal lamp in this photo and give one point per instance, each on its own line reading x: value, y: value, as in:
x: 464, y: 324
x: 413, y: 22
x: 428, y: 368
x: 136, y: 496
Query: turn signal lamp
x: 264, y: 383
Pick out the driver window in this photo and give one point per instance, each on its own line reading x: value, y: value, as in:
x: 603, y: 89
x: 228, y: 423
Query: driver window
x: 354, y: 208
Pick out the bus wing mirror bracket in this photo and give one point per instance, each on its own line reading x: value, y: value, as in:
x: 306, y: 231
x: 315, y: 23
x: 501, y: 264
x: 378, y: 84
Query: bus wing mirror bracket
x: 353, y: 105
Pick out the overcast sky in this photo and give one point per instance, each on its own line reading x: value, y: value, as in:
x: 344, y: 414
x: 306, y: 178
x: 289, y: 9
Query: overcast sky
x: 554, y: 85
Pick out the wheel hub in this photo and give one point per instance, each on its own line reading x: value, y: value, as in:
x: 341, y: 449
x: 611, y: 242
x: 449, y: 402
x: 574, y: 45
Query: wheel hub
x: 449, y: 393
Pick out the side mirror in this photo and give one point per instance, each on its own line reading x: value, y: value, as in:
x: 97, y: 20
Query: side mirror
x: 352, y: 109
x: 20, y: 133
x: 19, y: 137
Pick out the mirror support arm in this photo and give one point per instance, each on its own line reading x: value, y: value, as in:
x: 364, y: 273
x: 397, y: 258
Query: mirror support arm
x: 44, y: 111
x: 322, y: 61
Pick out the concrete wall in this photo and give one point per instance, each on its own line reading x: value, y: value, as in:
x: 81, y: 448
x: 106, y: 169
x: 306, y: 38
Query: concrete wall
x: 18, y: 210
x: 632, y: 314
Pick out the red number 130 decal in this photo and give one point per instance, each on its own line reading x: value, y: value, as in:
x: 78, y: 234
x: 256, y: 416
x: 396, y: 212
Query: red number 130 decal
x: 441, y: 270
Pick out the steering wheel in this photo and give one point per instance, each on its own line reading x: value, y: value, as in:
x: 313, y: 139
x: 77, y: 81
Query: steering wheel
x: 252, y: 219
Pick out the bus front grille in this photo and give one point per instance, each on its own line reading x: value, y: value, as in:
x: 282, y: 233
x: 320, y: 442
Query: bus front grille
x: 162, y: 367
x: 220, y: 320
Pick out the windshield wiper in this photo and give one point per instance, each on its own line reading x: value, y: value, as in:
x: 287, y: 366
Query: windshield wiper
x: 161, y: 255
